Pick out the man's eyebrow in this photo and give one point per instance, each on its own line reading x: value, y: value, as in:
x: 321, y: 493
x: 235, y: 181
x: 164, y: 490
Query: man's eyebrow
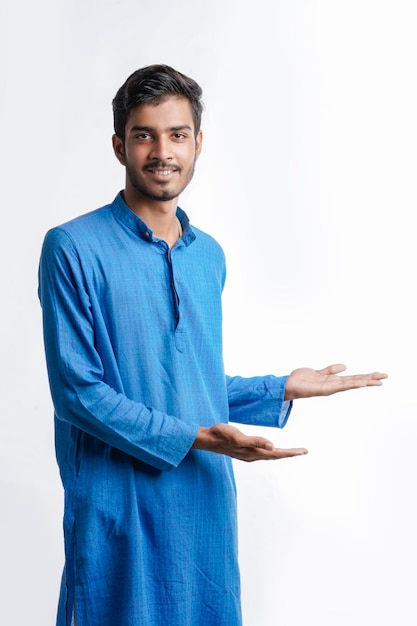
x: 182, y: 127
x: 149, y: 129
x: 135, y: 129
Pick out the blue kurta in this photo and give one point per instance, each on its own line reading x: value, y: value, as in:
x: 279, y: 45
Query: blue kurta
x: 133, y: 340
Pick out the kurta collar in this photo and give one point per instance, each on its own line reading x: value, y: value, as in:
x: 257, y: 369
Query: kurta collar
x: 132, y: 221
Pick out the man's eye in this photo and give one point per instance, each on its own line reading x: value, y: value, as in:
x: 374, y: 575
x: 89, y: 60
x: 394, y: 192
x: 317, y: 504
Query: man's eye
x: 142, y: 136
x: 179, y: 136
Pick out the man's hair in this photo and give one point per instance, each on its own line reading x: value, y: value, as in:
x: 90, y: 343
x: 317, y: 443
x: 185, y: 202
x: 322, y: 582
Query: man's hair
x: 152, y: 85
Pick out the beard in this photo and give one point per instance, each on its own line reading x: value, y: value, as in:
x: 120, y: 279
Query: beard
x: 171, y: 191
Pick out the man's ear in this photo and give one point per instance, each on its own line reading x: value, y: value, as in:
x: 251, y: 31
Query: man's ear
x: 198, y: 143
x: 119, y: 149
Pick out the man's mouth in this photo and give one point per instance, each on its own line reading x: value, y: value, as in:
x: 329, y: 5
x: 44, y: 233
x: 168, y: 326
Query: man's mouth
x: 161, y: 170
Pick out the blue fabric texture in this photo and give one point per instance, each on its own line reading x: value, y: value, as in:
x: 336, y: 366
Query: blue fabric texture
x: 133, y: 342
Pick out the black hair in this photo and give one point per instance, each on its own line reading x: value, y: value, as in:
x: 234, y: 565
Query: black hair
x: 152, y: 85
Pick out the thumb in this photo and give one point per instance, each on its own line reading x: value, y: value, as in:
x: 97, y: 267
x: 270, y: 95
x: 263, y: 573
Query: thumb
x: 264, y: 444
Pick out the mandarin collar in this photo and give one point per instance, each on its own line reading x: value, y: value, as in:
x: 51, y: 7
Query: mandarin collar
x: 125, y: 215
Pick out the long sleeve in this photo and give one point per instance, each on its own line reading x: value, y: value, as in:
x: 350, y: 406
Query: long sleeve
x: 258, y: 400
x: 79, y: 392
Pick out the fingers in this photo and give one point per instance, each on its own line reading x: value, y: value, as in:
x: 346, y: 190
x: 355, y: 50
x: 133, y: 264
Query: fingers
x: 257, y: 454
x: 333, y: 382
x: 376, y: 377
x: 362, y: 380
x: 283, y: 453
x: 337, y: 368
x: 258, y: 448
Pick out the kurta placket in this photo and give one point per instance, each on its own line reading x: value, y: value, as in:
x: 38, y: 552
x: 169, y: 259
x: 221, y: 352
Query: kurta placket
x: 178, y: 321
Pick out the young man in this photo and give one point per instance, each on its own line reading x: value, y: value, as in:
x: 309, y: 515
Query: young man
x: 131, y: 299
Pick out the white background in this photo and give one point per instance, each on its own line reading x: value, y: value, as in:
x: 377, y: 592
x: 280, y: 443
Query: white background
x: 308, y: 180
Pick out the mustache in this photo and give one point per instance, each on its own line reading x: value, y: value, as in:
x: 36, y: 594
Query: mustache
x: 160, y: 165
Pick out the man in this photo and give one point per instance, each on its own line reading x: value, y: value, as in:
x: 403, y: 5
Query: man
x: 131, y: 299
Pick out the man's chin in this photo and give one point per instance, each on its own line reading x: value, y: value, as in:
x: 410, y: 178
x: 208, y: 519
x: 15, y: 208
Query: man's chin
x: 157, y: 196
x: 165, y: 196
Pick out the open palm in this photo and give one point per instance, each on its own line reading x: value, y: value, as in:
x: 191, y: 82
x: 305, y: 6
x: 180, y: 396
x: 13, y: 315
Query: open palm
x: 306, y: 382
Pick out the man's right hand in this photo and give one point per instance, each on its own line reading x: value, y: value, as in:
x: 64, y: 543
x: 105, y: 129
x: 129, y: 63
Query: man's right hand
x: 229, y: 440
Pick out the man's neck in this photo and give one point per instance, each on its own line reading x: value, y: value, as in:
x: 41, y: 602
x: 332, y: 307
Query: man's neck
x: 159, y: 215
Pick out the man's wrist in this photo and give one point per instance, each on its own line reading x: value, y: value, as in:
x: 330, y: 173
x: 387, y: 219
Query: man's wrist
x: 201, y: 440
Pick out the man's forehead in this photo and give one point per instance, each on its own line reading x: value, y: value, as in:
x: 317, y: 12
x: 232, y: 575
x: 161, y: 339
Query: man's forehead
x: 171, y: 112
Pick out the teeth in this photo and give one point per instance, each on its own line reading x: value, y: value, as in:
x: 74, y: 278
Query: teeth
x: 163, y: 172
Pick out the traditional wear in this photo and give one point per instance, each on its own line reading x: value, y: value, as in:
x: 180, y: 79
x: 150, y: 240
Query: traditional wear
x: 133, y: 343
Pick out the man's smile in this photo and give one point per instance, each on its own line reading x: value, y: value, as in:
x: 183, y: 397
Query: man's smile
x: 161, y: 172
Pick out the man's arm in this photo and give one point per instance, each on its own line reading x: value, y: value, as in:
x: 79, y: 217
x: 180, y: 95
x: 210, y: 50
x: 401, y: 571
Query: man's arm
x: 301, y: 383
x: 80, y: 395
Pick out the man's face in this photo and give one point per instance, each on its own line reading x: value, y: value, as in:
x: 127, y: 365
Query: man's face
x: 160, y: 149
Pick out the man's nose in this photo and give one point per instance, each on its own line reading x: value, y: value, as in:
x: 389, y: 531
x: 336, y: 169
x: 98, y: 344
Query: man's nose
x: 161, y: 149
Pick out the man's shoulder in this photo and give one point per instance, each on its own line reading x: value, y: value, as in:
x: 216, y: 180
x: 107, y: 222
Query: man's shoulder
x: 207, y: 240
x: 85, y: 220
x: 82, y: 227
x: 205, y: 254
